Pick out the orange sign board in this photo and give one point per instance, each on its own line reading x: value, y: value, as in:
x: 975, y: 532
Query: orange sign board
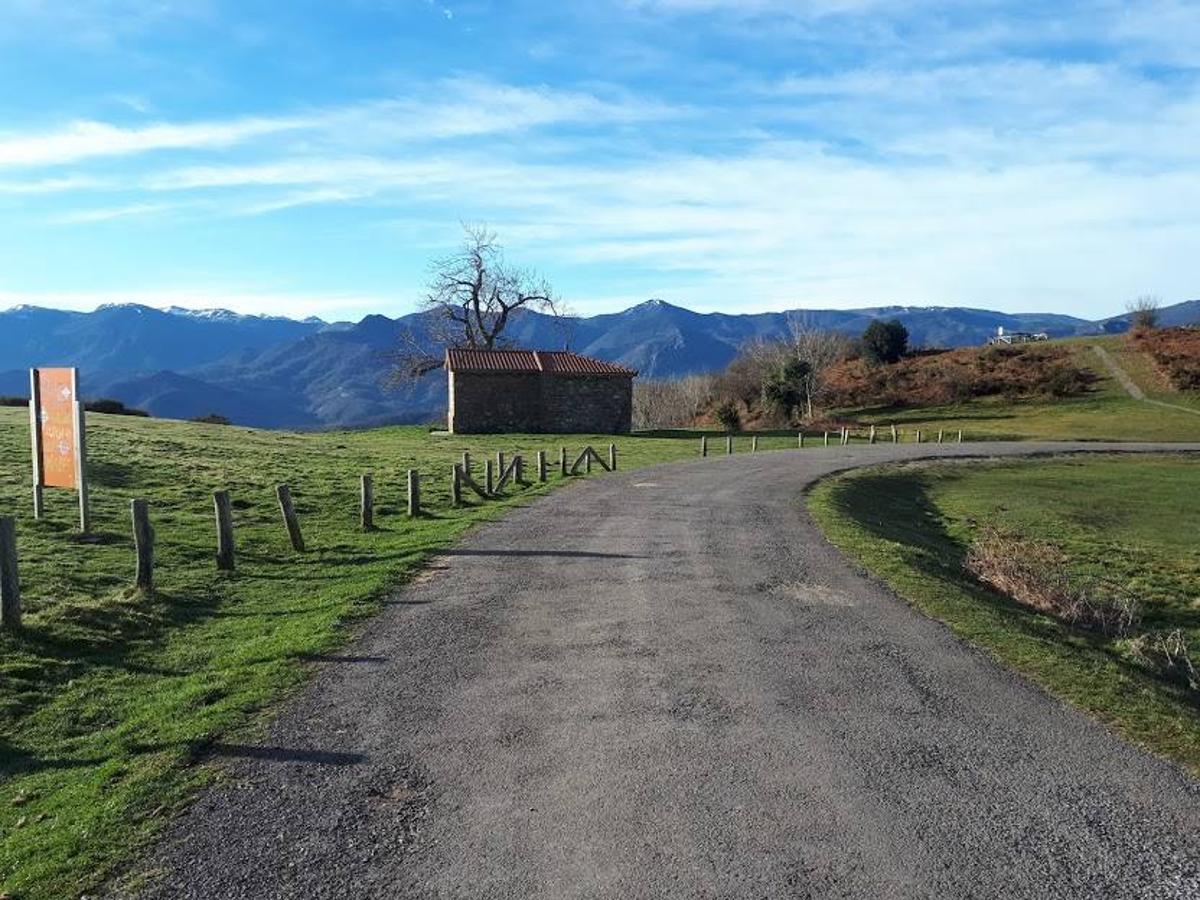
x: 56, y: 421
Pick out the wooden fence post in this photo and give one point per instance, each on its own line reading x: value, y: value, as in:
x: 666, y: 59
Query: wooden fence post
x: 541, y: 465
x: 466, y: 461
x: 288, y: 509
x: 728, y: 444
x: 456, y: 486
x: 519, y: 470
x: 939, y: 435
x: 414, y: 493
x: 224, y: 512
x: 143, y: 544
x: 826, y: 438
x: 704, y: 445
x: 800, y: 439
x: 489, y: 477
x: 587, y: 460
x: 871, y: 437
x: 754, y: 444
x: 918, y: 435
x: 10, y: 583
x: 612, y: 457
x: 500, y: 462
x: 960, y: 435
x: 895, y: 435
x: 367, y: 496
x: 562, y: 462
x: 845, y: 436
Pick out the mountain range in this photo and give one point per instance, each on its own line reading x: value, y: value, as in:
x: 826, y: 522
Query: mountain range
x: 276, y: 372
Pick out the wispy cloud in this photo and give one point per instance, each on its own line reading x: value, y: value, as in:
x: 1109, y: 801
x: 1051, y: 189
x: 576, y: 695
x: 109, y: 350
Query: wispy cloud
x: 85, y: 140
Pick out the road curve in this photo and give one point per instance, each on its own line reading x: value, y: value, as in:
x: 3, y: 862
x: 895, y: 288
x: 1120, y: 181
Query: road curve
x: 666, y: 683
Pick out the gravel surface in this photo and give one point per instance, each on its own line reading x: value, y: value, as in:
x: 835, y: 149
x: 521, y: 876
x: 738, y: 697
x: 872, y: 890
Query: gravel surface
x: 666, y: 683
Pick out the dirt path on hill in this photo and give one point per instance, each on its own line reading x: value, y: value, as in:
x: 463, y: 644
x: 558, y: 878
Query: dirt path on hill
x: 1131, y: 386
x: 666, y: 683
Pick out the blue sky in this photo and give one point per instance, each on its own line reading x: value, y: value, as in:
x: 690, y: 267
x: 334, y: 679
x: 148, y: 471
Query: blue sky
x: 309, y: 158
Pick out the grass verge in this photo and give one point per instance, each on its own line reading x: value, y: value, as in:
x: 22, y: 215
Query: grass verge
x: 1131, y: 520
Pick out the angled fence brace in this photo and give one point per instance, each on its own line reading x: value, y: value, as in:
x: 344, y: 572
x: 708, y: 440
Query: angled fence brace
x: 512, y: 471
x: 465, y: 478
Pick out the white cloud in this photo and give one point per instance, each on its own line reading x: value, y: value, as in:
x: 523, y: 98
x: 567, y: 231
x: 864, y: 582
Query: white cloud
x: 86, y: 139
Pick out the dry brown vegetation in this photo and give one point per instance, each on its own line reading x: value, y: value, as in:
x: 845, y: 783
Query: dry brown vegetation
x: 1175, y: 352
x: 1036, y: 574
x: 953, y: 376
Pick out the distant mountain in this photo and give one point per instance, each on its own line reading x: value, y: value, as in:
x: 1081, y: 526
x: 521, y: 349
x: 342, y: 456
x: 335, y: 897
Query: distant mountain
x: 135, y: 338
x: 277, y: 372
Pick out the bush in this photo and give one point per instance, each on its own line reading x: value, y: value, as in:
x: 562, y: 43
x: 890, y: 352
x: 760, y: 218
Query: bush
x: 1176, y: 353
x: 1143, y: 313
x: 212, y: 419
x: 954, y: 376
x: 1167, y: 655
x: 1035, y: 574
x: 783, y: 391
x: 727, y: 416
x: 112, y: 407
x: 14, y: 401
x: 884, y: 342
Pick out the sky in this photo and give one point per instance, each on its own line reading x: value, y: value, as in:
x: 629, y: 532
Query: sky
x: 312, y: 158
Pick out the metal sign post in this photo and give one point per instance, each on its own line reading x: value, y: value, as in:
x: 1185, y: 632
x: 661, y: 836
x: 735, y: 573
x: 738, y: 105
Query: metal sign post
x: 56, y: 424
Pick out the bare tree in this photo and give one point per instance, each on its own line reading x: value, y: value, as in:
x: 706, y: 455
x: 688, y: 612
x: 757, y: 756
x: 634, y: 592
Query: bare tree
x: 670, y: 403
x: 474, y: 294
x: 1143, y: 312
x: 820, y: 348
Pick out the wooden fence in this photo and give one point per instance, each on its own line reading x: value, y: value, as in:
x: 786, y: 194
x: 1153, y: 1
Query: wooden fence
x: 842, y: 438
x: 506, y: 472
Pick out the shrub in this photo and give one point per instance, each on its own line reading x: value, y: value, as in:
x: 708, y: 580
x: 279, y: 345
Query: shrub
x: 783, y: 391
x: 1175, y: 352
x: 727, y: 416
x: 1035, y: 574
x: 884, y: 342
x: 112, y: 407
x: 1168, y: 655
x: 954, y: 376
x: 212, y: 419
x: 1143, y: 313
x: 14, y: 401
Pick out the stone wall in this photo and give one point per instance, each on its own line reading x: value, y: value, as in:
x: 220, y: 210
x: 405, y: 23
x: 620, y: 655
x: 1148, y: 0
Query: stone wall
x: 539, y: 402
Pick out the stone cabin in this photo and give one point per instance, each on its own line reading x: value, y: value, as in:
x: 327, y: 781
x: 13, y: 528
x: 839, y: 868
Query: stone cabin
x: 549, y: 391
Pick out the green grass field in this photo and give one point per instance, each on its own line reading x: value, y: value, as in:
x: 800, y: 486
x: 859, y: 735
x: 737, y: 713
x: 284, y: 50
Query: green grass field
x: 1107, y: 412
x: 108, y: 699
x: 1134, y: 521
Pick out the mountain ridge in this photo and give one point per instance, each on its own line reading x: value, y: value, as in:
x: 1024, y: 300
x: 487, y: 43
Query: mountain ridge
x: 274, y: 371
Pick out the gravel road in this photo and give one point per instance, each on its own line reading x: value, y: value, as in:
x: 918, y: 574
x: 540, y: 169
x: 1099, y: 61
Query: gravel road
x: 665, y: 683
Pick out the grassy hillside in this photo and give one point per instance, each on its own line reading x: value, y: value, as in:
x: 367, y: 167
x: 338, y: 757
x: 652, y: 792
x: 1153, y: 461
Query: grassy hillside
x: 1131, y: 521
x: 1104, y: 412
x: 108, y: 699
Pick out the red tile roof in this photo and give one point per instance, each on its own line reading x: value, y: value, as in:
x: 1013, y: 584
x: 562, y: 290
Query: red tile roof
x: 555, y: 362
